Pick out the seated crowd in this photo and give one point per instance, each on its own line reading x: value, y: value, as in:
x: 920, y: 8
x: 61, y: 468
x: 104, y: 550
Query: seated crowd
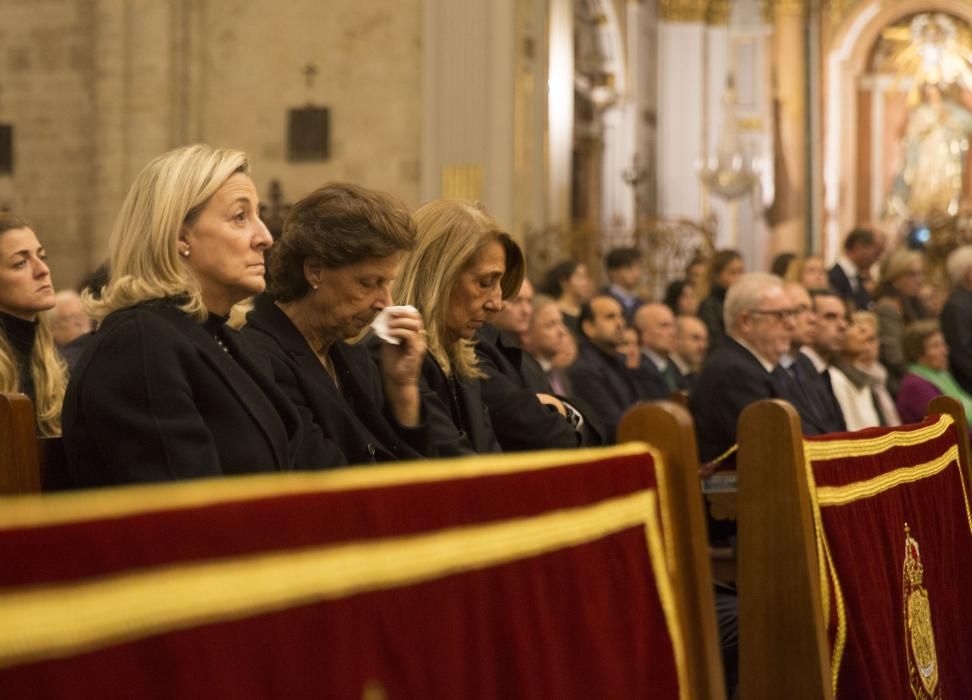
x: 374, y: 334
x: 367, y: 333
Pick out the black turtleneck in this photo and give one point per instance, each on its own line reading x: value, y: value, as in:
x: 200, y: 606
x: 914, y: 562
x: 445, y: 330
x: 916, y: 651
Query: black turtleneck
x: 21, y: 335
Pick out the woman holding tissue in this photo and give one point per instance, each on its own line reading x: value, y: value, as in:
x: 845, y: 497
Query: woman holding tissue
x: 462, y: 270
x: 330, y: 275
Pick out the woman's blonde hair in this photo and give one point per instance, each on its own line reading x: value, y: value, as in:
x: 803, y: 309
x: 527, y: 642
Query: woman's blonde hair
x: 144, y: 260
x: 47, y: 369
x: 451, y: 233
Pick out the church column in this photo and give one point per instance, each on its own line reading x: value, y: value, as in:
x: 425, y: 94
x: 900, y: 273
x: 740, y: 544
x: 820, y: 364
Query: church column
x: 681, y: 105
x: 789, y: 50
x: 468, y: 85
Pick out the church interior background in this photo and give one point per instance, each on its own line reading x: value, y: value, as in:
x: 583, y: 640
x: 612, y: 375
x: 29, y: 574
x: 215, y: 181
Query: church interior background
x: 762, y: 125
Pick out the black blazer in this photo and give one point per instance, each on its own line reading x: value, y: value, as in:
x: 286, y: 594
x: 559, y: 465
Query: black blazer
x: 731, y: 379
x: 654, y: 385
x: 711, y: 314
x: 823, y: 415
x: 356, y: 417
x: 603, y: 381
x: 842, y: 285
x: 462, y: 401
x: 519, y: 420
x: 155, y: 398
x: 957, y: 327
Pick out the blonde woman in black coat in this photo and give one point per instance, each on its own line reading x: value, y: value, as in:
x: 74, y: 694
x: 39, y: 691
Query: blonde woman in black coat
x: 165, y: 390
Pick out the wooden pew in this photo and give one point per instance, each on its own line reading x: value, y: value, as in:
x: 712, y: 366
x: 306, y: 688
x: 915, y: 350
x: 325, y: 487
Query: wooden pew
x: 668, y: 427
x: 20, y: 470
x: 811, y: 512
x: 29, y: 463
x: 536, y: 575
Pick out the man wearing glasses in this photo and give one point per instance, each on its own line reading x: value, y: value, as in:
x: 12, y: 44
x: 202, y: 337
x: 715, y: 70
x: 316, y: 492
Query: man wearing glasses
x: 760, y: 320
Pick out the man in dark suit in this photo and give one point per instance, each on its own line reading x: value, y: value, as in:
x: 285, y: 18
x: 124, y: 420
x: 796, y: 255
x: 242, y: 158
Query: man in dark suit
x: 524, y: 412
x: 655, y: 324
x: 600, y: 376
x: 759, y: 325
x: 624, y: 275
x: 850, y: 275
x: 957, y: 317
x: 818, y: 338
x: 691, y: 344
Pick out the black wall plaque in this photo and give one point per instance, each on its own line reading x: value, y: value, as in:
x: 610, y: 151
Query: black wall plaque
x: 308, y: 134
x: 6, y: 149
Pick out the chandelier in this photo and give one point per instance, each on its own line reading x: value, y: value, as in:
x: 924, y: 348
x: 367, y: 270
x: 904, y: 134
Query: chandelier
x: 729, y: 173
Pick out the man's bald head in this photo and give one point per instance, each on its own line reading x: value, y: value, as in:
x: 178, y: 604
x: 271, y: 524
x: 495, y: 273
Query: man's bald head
x: 691, y: 341
x: 656, y: 328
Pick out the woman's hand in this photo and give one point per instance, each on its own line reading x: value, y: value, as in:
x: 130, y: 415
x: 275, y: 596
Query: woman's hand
x: 401, y: 365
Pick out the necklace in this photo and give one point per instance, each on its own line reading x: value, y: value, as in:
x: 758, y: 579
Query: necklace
x: 221, y: 344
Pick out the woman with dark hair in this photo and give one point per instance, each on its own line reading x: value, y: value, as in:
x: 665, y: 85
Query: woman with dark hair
x: 462, y: 270
x: 330, y: 275
x: 681, y: 299
x: 29, y: 361
x: 166, y: 390
x: 927, y: 377
x: 725, y: 268
x: 571, y: 285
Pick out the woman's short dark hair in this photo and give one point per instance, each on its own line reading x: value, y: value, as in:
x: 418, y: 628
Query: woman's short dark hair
x: 8, y: 222
x: 556, y: 276
x: 915, y: 336
x: 674, y: 292
x: 337, y: 225
x: 720, y: 261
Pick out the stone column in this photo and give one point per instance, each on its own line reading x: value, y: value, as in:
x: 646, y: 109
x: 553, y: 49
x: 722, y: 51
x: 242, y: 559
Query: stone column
x: 681, y: 106
x: 788, y: 213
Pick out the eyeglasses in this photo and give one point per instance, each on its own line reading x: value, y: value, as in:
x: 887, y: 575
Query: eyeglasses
x: 779, y: 315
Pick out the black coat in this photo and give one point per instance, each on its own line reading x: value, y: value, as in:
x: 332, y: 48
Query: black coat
x: 711, y: 314
x: 510, y: 391
x: 602, y: 380
x: 823, y: 415
x: 957, y: 327
x: 155, y: 398
x: 860, y: 298
x: 356, y: 417
x: 731, y: 379
x: 462, y: 400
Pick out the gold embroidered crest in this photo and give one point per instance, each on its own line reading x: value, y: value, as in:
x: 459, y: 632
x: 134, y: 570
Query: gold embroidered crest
x: 919, y: 635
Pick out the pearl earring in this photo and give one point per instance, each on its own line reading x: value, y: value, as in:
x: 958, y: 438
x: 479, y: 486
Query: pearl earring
x: 316, y: 287
x: 185, y: 253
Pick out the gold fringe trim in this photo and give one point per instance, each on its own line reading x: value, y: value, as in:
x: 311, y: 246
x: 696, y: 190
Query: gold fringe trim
x: 62, y: 620
x: 842, y: 495
x: 857, y: 447
x: 95, y: 504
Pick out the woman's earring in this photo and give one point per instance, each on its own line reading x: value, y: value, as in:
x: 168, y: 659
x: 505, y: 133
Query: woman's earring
x: 185, y: 253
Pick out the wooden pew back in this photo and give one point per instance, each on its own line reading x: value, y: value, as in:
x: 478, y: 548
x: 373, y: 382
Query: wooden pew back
x: 829, y: 535
x: 668, y: 427
x: 20, y: 470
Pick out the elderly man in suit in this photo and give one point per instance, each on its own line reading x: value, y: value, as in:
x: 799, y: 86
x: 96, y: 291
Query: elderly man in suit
x: 759, y: 318
x: 655, y: 324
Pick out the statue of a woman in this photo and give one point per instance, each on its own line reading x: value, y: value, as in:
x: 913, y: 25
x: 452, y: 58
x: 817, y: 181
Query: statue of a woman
x: 934, y: 145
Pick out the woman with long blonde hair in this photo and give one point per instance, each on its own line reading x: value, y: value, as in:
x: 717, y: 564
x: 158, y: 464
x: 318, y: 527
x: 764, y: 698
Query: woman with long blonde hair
x: 29, y: 361
x: 463, y: 268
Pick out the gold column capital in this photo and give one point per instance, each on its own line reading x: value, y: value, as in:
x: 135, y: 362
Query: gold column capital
x: 718, y: 12
x: 774, y: 9
x: 699, y: 11
x: 683, y: 10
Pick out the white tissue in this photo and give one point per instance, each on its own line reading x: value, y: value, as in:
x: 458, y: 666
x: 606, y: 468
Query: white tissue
x: 380, y: 324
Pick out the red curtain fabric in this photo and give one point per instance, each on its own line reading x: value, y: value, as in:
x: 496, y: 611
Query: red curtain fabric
x: 866, y: 498
x: 578, y: 621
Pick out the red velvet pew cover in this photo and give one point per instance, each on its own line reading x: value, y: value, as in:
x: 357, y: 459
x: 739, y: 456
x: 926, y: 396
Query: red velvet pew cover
x: 517, y: 576
x: 894, y: 533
